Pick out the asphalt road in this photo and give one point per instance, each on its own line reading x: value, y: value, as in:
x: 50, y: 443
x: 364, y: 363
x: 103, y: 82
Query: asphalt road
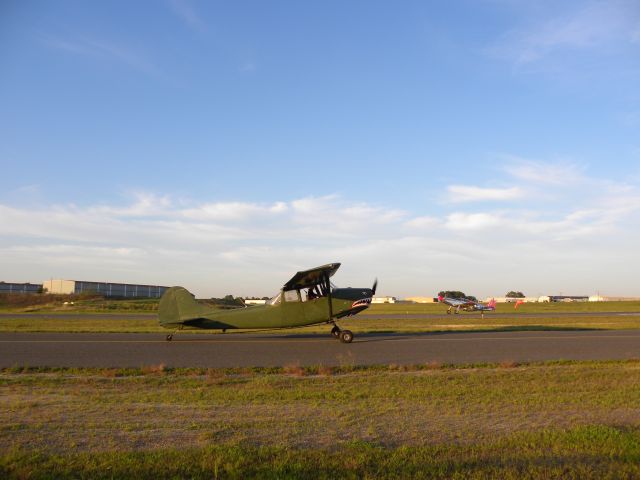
x: 244, y: 350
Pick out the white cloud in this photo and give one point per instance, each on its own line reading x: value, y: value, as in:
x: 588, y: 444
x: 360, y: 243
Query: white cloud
x: 552, y: 173
x: 473, y: 221
x: 96, y: 48
x: 248, y: 248
x: 594, y: 25
x: 470, y: 193
x: 234, y: 211
x: 423, y: 222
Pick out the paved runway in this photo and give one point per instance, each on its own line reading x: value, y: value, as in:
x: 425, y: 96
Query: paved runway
x: 243, y: 350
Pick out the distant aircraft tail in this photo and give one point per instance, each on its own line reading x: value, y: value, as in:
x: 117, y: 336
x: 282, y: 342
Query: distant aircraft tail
x: 492, y: 303
x: 177, y: 306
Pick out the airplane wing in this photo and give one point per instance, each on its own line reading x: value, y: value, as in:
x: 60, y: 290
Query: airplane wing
x: 308, y: 278
x: 458, y: 301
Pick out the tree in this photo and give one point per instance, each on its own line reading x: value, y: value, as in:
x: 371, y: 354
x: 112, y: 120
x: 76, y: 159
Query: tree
x: 452, y: 294
x: 513, y: 294
x: 228, y: 301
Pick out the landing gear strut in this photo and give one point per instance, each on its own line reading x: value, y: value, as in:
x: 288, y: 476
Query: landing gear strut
x: 170, y: 336
x: 345, y: 336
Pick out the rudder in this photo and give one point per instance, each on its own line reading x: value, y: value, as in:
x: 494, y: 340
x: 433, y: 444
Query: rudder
x: 177, y: 306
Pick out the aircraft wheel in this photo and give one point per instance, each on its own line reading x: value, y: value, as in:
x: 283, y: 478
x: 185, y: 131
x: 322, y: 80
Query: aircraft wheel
x: 346, y: 336
x: 169, y: 337
x: 335, y: 332
x: 448, y: 312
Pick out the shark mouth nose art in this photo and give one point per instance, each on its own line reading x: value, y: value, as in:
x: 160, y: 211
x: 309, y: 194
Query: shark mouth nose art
x: 363, y: 302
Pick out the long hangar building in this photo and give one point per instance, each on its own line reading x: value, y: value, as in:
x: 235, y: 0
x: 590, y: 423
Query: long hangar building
x: 104, y: 288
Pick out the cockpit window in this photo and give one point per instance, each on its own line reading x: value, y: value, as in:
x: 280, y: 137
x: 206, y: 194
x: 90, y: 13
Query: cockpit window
x: 291, y: 296
x: 312, y: 293
x: 274, y: 300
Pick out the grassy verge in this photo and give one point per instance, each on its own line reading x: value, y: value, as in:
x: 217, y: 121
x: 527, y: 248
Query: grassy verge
x: 74, y: 303
x: 146, y: 324
x: 555, y: 307
x: 587, y: 452
x: 87, y: 303
x: 561, y: 419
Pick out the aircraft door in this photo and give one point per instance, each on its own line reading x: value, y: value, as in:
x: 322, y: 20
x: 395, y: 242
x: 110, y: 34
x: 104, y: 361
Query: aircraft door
x: 316, y: 305
x: 292, y: 309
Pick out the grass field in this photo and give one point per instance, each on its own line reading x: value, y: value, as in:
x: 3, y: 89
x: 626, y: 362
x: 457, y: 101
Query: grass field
x: 551, y: 307
x: 98, y: 304
x: 463, y: 322
x: 568, y: 420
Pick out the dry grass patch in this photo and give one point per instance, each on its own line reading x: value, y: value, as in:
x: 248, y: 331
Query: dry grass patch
x: 294, y: 370
x: 153, y: 369
x: 101, y: 410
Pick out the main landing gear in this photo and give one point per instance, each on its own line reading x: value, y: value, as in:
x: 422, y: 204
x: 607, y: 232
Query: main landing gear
x: 345, y: 336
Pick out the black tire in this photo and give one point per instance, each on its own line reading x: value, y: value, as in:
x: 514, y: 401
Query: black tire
x: 335, y: 332
x: 169, y: 337
x: 448, y: 312
x: 346, y: 336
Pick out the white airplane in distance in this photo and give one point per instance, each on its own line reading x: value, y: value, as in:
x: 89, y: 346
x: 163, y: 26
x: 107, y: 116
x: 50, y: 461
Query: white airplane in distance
x: 467, y: 305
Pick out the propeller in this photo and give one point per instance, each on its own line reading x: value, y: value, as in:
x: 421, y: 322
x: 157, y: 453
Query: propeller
x: 375, y: 285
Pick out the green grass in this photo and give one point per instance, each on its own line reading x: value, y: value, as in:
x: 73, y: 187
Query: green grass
x: 123, y: 318
x: 581, y: 453
x: 554, y: 307
x: 462, y: 322
x: 557, y: 419
x: 88, y: 303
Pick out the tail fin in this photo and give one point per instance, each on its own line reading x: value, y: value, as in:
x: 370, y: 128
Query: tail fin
x: 177, y: 306
x: 492, y: 303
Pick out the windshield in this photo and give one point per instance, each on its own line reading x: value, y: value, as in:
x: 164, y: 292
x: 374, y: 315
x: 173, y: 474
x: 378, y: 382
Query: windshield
x: 274, y: 300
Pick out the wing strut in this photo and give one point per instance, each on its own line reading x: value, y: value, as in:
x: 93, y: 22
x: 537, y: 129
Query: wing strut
x: 328, y: 286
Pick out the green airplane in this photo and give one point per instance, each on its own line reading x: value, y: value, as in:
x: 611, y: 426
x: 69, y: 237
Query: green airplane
x: 308, y: 298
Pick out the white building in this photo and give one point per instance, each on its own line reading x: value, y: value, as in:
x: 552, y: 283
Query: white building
x: 421, y: 299
x: 514, y: 299
x: 103, y: 288
x: 383, y: 300
x: 600, y: 298
x: 257, y: 301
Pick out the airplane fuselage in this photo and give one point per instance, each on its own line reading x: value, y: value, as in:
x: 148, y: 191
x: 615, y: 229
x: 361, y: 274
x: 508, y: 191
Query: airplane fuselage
x: 284, y: 314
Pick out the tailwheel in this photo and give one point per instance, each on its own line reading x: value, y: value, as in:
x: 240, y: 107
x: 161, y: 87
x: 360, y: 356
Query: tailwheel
x: 335, y: 331
x: 346, y: 336
x: 169, y: 337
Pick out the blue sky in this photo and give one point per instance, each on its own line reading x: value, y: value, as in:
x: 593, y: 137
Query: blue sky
x: 482, y: 146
